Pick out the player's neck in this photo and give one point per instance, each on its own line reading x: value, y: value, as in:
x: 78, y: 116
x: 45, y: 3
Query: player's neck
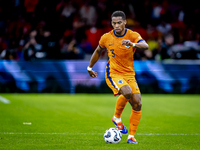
x: 121, y: 34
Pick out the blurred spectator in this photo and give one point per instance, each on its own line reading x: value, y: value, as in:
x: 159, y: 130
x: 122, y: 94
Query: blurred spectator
x: 88, y: 12
x: 10, y: 53
x: 153, y: 46
x: 93, y: 36
x: 31, y: 47
x: 78, y: 22
x: 86, y: 46
x: 189, y: 49
x: 42, y: 28
x: 152, y: 32
x: 165, y: 51
x: 81, y: 39
x: 164, y: 27
x: 66, y: 11
x: 156, y: 13
x: 71, y: 49
x: 30, y: 9
x: 50, y: 46
x: 41, y: 44
x: 30, y: 5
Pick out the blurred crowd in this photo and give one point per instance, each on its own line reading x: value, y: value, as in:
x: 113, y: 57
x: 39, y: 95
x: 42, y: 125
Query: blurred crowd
x: 71, y: 29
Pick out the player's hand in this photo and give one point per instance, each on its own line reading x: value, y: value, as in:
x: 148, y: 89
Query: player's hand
x: 127, y: 42
x: 93, y: 74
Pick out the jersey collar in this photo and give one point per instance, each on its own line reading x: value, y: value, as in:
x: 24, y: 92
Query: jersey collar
x: 120, y: 35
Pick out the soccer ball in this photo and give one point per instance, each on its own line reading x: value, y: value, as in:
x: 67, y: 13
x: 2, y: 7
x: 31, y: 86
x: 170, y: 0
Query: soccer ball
x: 112, y: 135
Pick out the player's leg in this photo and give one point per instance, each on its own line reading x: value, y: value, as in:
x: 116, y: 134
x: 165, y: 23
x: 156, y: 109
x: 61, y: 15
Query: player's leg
x: 120, y: 104
x: 135, y: 116
x: 133, y: 94
x: 135, y: 101
x: 115, y: 85
x: 134, y: 98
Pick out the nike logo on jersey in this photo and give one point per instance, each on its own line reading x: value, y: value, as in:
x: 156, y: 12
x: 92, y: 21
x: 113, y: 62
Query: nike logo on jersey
x: 110, y: 44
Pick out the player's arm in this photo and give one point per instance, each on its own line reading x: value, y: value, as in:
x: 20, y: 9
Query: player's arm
x: 95, y: 57
x: 142, y: 45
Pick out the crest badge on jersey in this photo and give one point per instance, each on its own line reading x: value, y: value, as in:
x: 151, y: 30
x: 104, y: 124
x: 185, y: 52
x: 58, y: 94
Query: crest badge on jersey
x: 127, y: 47
x: 120, y: 81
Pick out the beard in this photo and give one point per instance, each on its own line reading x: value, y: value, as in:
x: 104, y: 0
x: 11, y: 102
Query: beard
x: 118, y: 32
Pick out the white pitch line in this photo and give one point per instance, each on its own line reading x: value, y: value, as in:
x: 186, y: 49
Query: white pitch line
x: 149, y: 134
x: 166, y: 134
x: 4, y: 100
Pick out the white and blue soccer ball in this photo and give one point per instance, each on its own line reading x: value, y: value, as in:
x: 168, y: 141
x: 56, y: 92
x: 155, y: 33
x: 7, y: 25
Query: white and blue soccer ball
x: 112, y: 135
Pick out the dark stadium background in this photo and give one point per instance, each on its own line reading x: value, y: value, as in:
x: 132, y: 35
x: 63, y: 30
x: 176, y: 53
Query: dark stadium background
x: 45, y: 46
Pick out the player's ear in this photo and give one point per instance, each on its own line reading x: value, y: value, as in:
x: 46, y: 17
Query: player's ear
x: 125, y: 22
x: 112, y: 24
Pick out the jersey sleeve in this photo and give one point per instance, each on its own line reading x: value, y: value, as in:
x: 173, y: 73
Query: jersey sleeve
x: 137, y: 37
x: 102, y: 41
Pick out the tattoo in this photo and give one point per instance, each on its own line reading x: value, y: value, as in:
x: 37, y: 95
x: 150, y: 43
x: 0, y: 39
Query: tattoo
x: 99, y: 52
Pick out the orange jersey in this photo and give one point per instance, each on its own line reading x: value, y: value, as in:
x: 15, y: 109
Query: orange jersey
x: 120, y: 56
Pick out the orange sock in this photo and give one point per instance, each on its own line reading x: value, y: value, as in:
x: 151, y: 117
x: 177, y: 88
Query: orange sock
x: 121, y: 103
x: 134, y: 121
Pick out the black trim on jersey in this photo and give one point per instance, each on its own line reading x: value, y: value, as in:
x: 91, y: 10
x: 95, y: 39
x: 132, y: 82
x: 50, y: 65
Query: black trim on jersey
x: 140, y: 40
x: 101, y: 47
x: 120, y: 35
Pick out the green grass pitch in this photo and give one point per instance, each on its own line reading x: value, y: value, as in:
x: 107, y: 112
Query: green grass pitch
x: 64, y: 121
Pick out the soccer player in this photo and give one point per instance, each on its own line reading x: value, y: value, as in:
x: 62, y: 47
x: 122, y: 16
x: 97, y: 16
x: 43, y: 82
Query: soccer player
x: 121, y: 44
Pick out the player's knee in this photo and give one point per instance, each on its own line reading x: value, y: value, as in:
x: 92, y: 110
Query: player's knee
x: 126, y: 91
x: 128, y: 95
x: 137, y: 106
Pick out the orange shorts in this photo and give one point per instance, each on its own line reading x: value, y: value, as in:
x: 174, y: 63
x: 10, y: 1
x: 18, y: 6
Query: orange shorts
x: 115, y: 83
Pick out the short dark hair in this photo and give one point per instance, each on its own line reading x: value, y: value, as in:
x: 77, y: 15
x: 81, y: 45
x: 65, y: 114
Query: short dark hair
x: 119, y: 14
